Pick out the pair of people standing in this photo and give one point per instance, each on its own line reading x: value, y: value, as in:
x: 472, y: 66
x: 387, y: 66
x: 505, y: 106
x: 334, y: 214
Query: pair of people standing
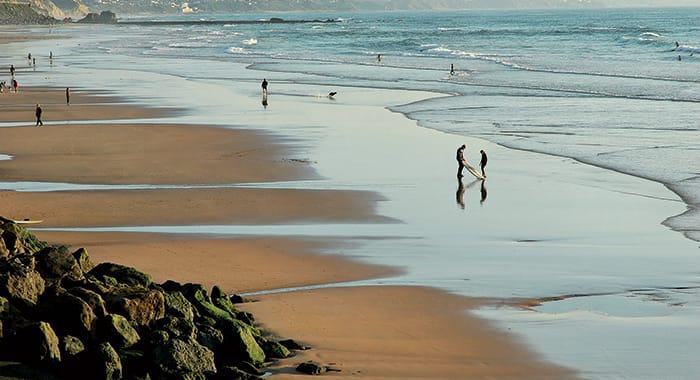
x: 461, y: 161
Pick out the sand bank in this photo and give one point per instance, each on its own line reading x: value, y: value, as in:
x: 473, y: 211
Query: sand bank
x: 378, y: 332
x: 387, y: 332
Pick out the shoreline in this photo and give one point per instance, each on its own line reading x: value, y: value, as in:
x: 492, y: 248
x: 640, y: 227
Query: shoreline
x: 110, y: 248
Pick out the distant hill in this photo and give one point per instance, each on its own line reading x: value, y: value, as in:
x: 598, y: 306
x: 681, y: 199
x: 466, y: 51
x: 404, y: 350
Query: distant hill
x: 22, y: 13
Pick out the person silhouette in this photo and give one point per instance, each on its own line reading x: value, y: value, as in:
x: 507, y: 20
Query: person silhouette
x: 37, y: 112
x: 483, y: 192
x: 264, y: 87
x: 452, y: 69
x: 460, y: 160
x: 482, y: 163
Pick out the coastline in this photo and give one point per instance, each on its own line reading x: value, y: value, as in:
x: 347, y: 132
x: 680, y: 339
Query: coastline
x: 57, y: 148
x: 519, y: 237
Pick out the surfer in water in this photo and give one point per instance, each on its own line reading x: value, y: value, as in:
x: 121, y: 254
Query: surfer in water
x: 452, y: 69
x: 482, y: 163
x: 460, y: 160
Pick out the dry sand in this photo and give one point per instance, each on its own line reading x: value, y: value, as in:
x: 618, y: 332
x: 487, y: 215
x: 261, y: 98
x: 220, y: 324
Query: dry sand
x: 367, y: 332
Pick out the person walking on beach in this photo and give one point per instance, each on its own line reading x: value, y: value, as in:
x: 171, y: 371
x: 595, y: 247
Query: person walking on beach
x: 264, y: 87
x: 12, y: 71
x: 482, y: 163
x: 15, y: 85
x: 38, y: 111
x: 67, y: 95
x: 452, y: 69
x: 460, y: 160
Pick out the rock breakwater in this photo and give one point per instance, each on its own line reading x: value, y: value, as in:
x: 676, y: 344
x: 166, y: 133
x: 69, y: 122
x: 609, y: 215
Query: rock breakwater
x: 63, y: 315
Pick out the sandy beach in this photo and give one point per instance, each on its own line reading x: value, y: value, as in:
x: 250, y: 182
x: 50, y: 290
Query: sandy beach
x: 367, y: 332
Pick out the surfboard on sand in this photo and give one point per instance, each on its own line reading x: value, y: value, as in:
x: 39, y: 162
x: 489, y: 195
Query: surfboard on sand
x: 471, y: 169
x: 28, y: 221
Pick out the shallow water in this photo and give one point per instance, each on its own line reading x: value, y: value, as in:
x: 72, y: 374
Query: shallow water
x: 598, y: 87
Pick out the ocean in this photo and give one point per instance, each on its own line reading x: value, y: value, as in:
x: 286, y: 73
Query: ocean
x: 612, y: 96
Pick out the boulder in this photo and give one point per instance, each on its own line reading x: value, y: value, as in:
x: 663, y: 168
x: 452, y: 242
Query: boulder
x: 234, y: 373
x: 273, y: 349
x: 55, y: 263
x: 91, y: 298
x: 223, y: 301
x: 116, y: 330
x: 178, y: 306
x: 197, y: 295
x: 75, y: 318
x: 210, y: 337
x: 100, y: 363
x: 240, y: 344
x: 311, y: 368
x: 19, y: 281
x: 71, y: 346
x: 180, y: 328
x: 122, y: 274
x: 37, y: 343
x: 140, y: 306
x: 185, y: 359
x: 83, y: 259
x: 16, y: 240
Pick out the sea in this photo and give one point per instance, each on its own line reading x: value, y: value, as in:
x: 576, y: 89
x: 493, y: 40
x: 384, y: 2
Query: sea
x: 600, y: 106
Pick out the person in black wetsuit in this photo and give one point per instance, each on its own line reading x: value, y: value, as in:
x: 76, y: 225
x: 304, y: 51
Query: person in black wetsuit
x: 482, y: 163
x: 460, y: 159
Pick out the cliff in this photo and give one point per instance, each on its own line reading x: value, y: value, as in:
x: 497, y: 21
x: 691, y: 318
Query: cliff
x: 22, y: 13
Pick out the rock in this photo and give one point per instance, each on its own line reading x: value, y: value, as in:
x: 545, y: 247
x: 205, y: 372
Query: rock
x: 83, y: 259
x: 37, y: 343
x: 16, y: 240
x: 234, y: 373
x: 106, y: 17
x: 210, y: 337
x: 71, y: 346
x: 311, y: 368
x: 184, y: 358
x: 273, y: 349
x: 56, y: 263
x: 135, y: 364
x: 19, y: 281
x: 240, y: 343
x: 292, y: 345
x: 123, y: 274
x: 221, y: 300
x: 75, y: 317
x: 116, y: 330
x: 91, y: 298
x: 138, y: 305
x: 180, y: 328
x: 102, y: 363
x: 178, y: 306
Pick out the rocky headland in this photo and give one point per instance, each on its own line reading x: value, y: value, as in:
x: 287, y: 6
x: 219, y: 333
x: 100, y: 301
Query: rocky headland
x: 67, y: 318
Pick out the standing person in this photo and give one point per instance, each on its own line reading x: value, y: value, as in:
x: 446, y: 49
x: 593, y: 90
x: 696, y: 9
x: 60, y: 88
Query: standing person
x: 67, y: 95
x: 452, y: 69
x: 15, y: 85
x: 460, y: 160
x: 379, y: 57
x: 264, y: 87
x: 38, y: 111
x: 483, y: 161
x: 12, y: 71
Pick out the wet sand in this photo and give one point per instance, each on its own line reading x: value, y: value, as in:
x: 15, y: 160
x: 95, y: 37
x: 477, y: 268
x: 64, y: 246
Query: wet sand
x: 368, y: 332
